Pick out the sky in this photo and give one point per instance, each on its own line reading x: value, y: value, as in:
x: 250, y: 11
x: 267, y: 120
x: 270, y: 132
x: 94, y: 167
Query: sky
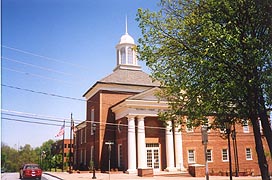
x: 52, y: 53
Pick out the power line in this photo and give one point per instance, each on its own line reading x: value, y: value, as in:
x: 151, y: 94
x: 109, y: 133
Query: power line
x: 60, y: 119
x: 14, y: 115
x: 26, y: 121
x: 35, y: 66
x: 45, y: 57
x: 29, y: 115
x: 36, y: 75
x: 44, y: 93
x: 37, y: 118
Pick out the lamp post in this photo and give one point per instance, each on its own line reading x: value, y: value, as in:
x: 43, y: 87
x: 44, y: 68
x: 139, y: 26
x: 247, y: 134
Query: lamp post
x: 228, y: 130
x: 109, y: 149
x: 94, y: 128
x: 204, y: 131
x: 233, y: 136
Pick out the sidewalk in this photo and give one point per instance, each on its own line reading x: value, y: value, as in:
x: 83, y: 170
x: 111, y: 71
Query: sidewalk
x: 117, y: 176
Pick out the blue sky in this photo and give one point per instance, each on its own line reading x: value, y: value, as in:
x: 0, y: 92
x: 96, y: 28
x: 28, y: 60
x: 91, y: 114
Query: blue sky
x: 59, y: 48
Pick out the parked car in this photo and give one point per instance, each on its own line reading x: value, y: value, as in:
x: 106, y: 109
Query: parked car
x: 30, y: 171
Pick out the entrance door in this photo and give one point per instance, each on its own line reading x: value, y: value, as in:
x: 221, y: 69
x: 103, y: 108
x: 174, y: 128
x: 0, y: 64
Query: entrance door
x: 153, y: 156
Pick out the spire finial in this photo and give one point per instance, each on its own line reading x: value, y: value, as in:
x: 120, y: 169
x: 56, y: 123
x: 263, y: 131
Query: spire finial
x: 126, y: 26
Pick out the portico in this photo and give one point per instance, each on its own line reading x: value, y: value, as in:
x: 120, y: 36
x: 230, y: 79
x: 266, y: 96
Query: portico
x: 137, y: 109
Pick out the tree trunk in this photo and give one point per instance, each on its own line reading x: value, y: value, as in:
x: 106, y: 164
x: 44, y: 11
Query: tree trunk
x: 265, y: 123
x: 259, y: 149
x: 254, y: 106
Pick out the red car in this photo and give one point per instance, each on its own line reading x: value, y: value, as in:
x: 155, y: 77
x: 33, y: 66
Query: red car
x: 30, y: 171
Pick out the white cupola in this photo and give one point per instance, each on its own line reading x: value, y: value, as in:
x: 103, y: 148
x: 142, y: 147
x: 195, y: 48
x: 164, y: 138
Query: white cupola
x: 126, y: 54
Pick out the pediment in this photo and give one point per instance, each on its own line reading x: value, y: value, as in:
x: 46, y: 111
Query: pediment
x: 148, y: 95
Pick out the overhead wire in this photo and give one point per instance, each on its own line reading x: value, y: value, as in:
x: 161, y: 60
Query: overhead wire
x: 45, y: 57
x: 37, y: 75
x: 51, y: 94
x: 35, y: 66
x: 37, y: 116
x: 60, y: 120
x: 26, y: 121
x: 44, y: 93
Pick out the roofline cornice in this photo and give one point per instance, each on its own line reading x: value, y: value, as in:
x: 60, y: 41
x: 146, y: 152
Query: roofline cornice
x: 95, y: 88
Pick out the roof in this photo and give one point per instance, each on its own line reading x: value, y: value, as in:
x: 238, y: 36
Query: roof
x: 126, y: 38
x: 130, y: 77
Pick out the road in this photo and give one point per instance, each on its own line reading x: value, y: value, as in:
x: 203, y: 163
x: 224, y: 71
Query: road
x: 15, y: 176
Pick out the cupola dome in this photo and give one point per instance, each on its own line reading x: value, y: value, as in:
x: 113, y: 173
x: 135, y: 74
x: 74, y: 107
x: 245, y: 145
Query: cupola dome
x: 126, y: 54
x: 126, y: 39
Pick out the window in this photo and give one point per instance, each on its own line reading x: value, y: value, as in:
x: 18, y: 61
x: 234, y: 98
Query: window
x: 85, y: 135
x: 81, y: 155
x: 245, y: 126
x: 225, y: 156
x: 209, y: 155
x: 92, y: 120
x: 70, y: 145
x: 248, y: 154
x: 123, y: 56
x: 191, y: 156
x: 130, y: 56
x: 81, y: 136
x: 85, y: 156
x: 120, y: 156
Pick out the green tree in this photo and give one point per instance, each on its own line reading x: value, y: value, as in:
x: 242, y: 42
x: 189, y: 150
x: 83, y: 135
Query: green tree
x: 212, y: 58
x: 46, y: 156
x: 9, y: 157
x: 27, y: 154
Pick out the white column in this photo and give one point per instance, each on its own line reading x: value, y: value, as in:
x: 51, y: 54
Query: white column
x: 169, y: 142
x: 178, y: 149
x: 141, y: 143
x: 131, y: 146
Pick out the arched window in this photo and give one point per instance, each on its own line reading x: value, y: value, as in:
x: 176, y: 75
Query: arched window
x: 130, y: 56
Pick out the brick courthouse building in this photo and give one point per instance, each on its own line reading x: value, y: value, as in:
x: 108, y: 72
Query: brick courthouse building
x: 125, y: 110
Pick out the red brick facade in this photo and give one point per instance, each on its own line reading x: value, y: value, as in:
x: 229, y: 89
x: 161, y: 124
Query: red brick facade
x: 124, y: 108
x: 116, y: 131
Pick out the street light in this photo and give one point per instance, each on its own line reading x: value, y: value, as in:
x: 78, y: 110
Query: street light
x: 94, y: 128
x: 228, y: 130
x: 233, y: 136
x: 204, y: 132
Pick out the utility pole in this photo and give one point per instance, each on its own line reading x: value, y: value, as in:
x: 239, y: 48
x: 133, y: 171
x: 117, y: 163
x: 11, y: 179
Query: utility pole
x: 70, y: 150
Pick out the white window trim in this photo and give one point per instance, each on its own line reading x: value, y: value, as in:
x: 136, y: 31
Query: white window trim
x: 92, y: 120
x: 189, y: 161
x: 250, y: 151
x: 211, y: 155
x: 227, y: 160
x: 246, y: 127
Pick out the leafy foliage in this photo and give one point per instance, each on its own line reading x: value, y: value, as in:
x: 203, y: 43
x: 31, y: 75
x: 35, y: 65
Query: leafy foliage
x: 209, y: 55
x: 12, y: 159
x: 212, y: 58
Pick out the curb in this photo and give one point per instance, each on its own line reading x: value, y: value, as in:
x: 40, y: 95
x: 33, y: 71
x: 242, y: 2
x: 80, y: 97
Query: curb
x: 53, y: 176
